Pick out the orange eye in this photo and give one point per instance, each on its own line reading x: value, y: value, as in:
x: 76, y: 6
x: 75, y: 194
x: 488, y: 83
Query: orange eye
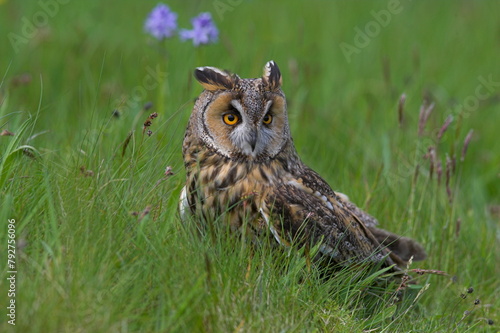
x: 267, y: 119
x: 230, y: 118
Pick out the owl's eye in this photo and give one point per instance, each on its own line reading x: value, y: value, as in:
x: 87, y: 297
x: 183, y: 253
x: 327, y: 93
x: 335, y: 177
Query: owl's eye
x: 267, y: 119
x: 231, y: 118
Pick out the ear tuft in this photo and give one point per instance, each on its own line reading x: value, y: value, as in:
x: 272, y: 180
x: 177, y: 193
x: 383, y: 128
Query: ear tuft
x: 272, y: 76
x: 212, y: 78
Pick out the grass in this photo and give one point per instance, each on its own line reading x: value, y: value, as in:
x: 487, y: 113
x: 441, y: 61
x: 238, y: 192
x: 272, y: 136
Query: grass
x: 100, y: 247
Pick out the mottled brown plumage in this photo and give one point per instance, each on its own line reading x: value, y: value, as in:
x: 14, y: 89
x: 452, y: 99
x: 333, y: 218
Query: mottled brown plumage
x: 242, y: 166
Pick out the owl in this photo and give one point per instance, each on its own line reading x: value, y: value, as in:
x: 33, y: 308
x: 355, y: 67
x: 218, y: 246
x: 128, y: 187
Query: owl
x: 243, y: 171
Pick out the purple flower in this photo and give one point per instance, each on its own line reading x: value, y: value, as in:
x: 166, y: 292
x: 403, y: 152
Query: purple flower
x: 161, y: 22
x: 204, y: 30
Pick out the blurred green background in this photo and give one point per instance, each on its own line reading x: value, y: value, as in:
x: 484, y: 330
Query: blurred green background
x: 76, y: 76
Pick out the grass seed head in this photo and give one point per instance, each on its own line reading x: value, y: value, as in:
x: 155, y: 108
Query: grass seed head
x: 439, y: 171
x: 6, y: 133
x: 466, y: 144
x: 168, y: 171
x: 445, y: 126
x: 401, y: 106
x: 425, y: 112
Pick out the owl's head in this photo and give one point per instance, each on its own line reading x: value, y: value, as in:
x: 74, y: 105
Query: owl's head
x: 241, y: 118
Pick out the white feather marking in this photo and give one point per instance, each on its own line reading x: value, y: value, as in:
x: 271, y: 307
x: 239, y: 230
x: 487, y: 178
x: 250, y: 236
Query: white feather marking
x: 342, y: 196
x: 183, y: 204
x: 273, y: 230
x: 237, y: 105
x: 295, y: 183
x: 267, y: 69
x: 324, y: 199
x: 275, y: 234
x: 215, y: 69
x: 269, y: 64
x: 268, y: 105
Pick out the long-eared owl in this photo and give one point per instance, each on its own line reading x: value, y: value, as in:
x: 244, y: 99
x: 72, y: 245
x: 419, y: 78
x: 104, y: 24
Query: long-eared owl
x: 243, y: 170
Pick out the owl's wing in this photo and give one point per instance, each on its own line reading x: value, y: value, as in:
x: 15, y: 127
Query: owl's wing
x: 298, y: 213
x: 366, y: 218
x: 403, y: 247
x: 314, y: 180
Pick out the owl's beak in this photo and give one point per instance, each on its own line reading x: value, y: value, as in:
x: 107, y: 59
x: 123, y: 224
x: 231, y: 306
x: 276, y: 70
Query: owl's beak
x: 252, y: 140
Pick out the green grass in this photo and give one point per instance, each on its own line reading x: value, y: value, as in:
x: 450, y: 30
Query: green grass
x: 73, y: 174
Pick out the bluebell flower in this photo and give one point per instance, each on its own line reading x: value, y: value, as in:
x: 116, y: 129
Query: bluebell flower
x: 161, y: 22
x: 204, y: 30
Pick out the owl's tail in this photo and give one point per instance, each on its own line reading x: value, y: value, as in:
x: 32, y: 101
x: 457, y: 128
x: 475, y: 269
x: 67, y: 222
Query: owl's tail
x: 403, y: 247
